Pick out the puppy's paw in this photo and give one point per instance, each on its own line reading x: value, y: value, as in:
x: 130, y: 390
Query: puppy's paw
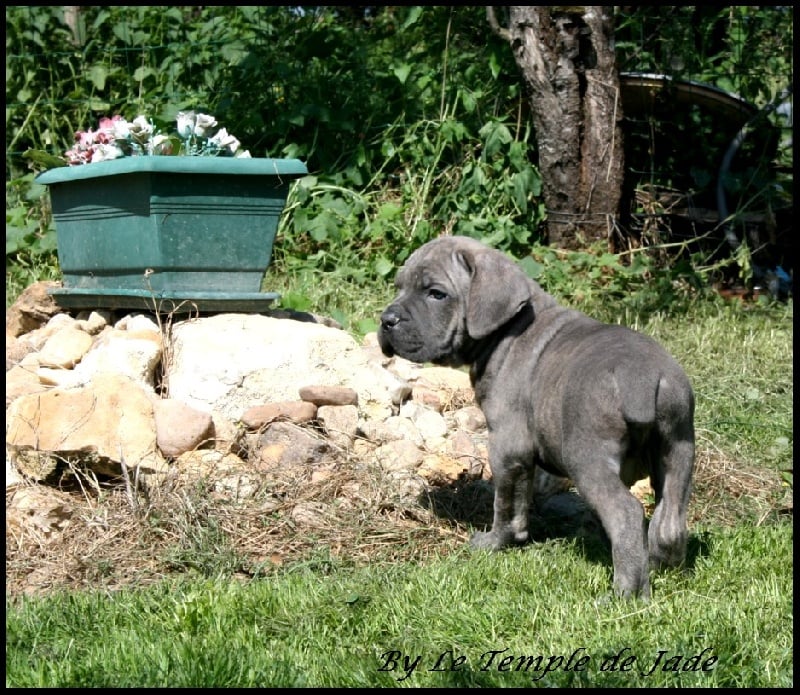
x: 485, y: 540
x: 492, y: 540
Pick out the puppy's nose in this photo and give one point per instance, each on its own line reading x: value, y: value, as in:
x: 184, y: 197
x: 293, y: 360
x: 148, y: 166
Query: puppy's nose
x: 390, y: 318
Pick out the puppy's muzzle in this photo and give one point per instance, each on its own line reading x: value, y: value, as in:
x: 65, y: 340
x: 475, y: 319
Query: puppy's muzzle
x: 389, y: 320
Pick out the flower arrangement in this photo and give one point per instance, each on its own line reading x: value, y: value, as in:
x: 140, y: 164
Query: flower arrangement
x: 196, y: 134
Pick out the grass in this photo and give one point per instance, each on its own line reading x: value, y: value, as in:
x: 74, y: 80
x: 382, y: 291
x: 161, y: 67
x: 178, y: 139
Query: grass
x: 195, y: 591
x: 740, y: 360
x: 367, y: 626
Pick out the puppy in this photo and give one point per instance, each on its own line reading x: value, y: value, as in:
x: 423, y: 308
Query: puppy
x: 600, y: 404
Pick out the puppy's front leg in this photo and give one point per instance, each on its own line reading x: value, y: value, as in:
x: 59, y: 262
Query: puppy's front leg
x: 513, y: 488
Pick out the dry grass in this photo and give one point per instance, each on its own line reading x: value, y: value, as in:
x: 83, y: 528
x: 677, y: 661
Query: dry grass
x: 107, y: 534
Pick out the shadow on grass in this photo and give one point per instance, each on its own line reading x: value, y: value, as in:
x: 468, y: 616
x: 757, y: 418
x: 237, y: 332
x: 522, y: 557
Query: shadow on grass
x: 562, y: 515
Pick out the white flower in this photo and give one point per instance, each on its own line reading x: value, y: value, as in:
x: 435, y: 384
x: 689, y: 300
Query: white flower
x: 160, y: 144
x: 225, y: 141
x: 203, y: 124
x: 117, y: 137
x: 104, y: 152
x: 140, y: 129
x: 122, y: 129
x: 186, y: 121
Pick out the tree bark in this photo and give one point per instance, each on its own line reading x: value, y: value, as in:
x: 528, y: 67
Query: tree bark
x: 566, y: 58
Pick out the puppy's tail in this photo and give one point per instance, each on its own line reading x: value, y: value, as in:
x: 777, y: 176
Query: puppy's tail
x: 638, y: 390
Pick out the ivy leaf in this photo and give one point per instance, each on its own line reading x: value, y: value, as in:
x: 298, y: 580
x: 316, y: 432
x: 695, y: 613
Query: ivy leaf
x: 44, y: 159
x: 98, y: 75
x: 383, y: 266
x: 401, y: 72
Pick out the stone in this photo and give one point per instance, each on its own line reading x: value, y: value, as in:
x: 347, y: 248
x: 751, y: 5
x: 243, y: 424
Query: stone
x: 296, y: 411
x: 181, y: 428
x: 439, y: 469
x: 103, y: 425
x: 36, y: 509
x: 33, y: 308
x: 329, y: 395
x: 65, y: 349
x: 229, y: 362
x: 399, y: 455
x: 431, y: 425
x: 470, y: 418
x: 340, y: 423
x: 22, y: 381
x: 286, y: 445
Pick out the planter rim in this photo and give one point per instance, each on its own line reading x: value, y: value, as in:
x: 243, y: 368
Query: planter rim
x: 243, y: 166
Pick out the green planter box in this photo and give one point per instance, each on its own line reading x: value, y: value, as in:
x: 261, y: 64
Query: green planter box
x: 136, y: 230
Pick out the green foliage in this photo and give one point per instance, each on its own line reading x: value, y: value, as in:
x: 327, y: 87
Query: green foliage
x: 608, y: 285
x: 317, y: 83
x: 743, y: 50
x: 411, y: 119
x: 30, y: 236
x: 492, y: 195
x: 405, y: 116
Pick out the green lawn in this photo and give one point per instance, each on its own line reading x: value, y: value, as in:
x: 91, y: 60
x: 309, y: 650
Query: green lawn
x: 535, y: 616
x: 431, y: 612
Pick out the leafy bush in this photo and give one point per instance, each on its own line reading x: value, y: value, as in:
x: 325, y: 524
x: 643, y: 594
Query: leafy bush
x: 411, y: 119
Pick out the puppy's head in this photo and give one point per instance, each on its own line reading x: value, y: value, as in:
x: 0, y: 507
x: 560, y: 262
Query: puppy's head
x: 453, y: 293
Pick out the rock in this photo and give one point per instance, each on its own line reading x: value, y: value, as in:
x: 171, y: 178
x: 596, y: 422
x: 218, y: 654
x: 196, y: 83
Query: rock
x: 470, y: 418
x: 33, y: 308
x: 296, y: 411
x: 329, y: 395
x: 93, y: 322
x: 431, y: 425
x: 428, y: 397
x: 229, y: 437
x: 101, y: 425
x: 230, y: 362
x: 399, y: 455
x: 84, y: 391
x: 131, y: 353
x: 36, y: 509
x: 453, y: 385
x: 16, y: 350
x: 464, y: 450
x: 23, y: 380
x: 12, y: 476
x: 309, y: 513
x: 65, y: 349
x: 340, y: 423
x: 391, y: 429
x: 225, y: 475
x: 440, y: 469
x: 286, y: 445
x: 181, y: 428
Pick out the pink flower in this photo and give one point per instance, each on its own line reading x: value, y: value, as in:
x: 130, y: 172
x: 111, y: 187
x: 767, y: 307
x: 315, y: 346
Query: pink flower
x: 116, y: 137
x: 85, y: 139
x: 76, y: 156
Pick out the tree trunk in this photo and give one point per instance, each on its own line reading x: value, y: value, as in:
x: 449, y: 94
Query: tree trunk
x: 566, y: 58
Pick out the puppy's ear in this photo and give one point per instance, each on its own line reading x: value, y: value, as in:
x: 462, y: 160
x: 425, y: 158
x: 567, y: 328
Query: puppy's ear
x: 498, y: 290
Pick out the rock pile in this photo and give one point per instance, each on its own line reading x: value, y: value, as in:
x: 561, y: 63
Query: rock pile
x: 131, y: 394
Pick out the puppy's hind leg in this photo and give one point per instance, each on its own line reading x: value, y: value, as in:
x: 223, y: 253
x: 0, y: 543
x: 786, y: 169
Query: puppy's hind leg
x: 671, y: 479
x: 622, y: 516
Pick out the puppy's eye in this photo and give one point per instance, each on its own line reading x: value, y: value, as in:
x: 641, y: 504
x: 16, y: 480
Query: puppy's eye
x: 436, y: 294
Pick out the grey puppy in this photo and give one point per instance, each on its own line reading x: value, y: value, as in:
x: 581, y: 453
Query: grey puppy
x: 597, y: 403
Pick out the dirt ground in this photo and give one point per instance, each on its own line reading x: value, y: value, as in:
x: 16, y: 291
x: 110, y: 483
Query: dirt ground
x: 86, y: 533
